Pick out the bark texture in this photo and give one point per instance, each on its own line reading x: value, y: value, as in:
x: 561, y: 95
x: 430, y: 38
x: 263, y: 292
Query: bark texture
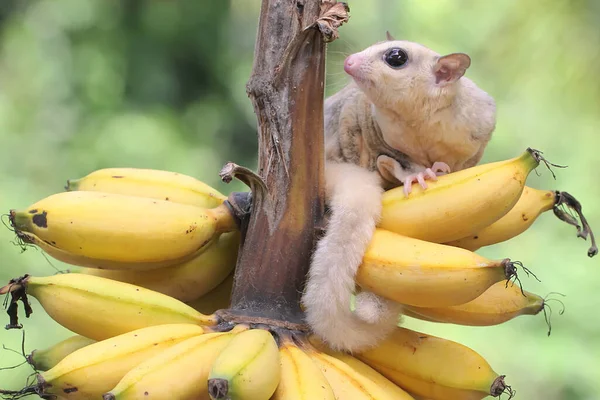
x: 286, y: 88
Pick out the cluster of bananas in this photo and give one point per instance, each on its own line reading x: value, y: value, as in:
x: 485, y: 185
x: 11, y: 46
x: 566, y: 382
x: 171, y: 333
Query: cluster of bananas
x: 153, y: 255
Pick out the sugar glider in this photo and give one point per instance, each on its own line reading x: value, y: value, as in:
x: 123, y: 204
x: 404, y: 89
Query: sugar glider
x: 408, y: 115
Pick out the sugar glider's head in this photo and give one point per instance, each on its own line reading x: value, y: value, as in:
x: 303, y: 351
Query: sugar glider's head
x: 397, y: 71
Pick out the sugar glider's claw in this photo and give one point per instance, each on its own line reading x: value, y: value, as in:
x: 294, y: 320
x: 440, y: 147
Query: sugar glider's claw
x: 441, y: 167
x: 407, y: 183
x: 438, y: 168
x: 418, y: 177
x: 421, y: 180
x: 430, y: 174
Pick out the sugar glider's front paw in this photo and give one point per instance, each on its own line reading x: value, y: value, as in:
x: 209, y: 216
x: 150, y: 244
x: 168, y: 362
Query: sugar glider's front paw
x: 370, y: 308
x: 438, y: 168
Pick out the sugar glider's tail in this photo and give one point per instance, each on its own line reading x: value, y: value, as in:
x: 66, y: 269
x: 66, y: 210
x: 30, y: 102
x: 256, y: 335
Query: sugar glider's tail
x: 354, y: 196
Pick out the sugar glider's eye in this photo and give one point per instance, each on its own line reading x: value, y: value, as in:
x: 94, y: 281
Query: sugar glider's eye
x: 395, y: 57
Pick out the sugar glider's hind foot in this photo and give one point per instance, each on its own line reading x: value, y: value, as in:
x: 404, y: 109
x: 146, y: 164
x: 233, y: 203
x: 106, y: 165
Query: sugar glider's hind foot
x: 371, y: 308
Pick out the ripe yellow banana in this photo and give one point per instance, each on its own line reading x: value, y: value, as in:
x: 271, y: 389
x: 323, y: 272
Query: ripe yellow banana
x: 300, y: 379
x: 189, y: 280
x: 363, y: 369
x: 460, y: 203
x: 89, y: 262
x: 247, y: 369
x: 425, y: 274
x: 88, y: 372
x: 531, y: 204
x: 496, y: 305
x: 180, y: 372
x: 217, y: 299
x: 121, y: 228
x: 433, y: 367
x: 348, y: 383
x: 43, y: 360
x: 156, y: 184
x: 100, y: 308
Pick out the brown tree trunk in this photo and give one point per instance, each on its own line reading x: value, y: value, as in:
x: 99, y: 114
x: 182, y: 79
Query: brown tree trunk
x: 286, y: 88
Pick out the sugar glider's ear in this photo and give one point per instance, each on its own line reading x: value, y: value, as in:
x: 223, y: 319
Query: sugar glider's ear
x: 389, y: 36
x: 451, y: 68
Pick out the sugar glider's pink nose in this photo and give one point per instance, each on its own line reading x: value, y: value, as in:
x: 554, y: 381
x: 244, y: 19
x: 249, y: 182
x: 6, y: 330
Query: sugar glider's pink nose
x: 352, y: 64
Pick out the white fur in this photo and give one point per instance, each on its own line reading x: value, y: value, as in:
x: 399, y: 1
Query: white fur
x: 354, y: 195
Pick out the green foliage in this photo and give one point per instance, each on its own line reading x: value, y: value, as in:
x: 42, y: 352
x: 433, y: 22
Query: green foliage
x: 87, y: 84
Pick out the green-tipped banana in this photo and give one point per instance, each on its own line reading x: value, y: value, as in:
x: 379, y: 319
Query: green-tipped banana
x: 43, y: 360
x: 157, y: 184
x: 247, y: 369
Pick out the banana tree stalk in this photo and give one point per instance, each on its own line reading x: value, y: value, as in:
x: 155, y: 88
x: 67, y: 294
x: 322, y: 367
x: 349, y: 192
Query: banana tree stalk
x: 286, y: 88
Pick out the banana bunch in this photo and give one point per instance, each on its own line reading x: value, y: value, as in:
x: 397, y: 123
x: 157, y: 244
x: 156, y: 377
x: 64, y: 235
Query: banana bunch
x: 421, y: 255
x: 458, y: 204
x: 43, y: 360
x: 89, y: 372
x: 126, y: 218
x: 154, y: 253
x: 480, y: 206
x: 188, y: 362
x: 155, y: 229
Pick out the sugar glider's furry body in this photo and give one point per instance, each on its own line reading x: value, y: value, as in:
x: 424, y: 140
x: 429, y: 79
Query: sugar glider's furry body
x: 408, y: 116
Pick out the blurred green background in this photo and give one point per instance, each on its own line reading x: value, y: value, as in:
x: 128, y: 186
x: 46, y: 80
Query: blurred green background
x: 87, y: 84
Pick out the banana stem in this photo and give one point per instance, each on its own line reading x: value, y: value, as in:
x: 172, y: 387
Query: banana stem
x: 537, y: 156
x: 286, y: 89
x: 499, y: 387
x: 72, y: 185
x: 17, y: 290
x: 218, y: 388
x: 565, y: 205
x: 18, y: 394
x: 510, y: 272
x: 226, y: 219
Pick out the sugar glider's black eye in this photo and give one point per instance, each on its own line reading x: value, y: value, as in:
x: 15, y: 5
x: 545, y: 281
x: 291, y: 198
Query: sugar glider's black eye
x: 395, y: 57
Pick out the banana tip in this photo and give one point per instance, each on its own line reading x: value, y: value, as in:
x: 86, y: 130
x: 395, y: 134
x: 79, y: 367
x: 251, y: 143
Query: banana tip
x: 72, y: 185
x: 14, y: 284
x: 11, y: 217
x: 11, y: 287
x: 108, y: 396
x: 218, y: 388
x: 500, y: 387
x: 29, y: 359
